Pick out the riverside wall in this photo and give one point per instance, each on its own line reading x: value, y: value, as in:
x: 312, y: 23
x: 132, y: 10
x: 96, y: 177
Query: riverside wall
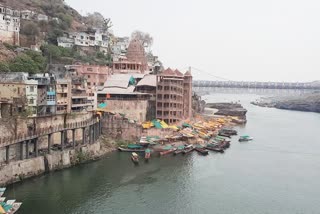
x: 19, y: 170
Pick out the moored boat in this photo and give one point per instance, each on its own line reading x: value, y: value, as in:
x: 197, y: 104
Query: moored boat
x: 179, y: 150
x: 121, y: 149
x: 215, y: 149
x: 147, y: 154
x: 202, y: 150
x: 167, y: 151
x: 245, y: 138
x: 135, y: 158
x: 188, y: 149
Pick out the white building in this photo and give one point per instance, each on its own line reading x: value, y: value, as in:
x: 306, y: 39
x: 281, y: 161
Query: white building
x: 85, y: 39
x: 42, y: 17
x: 9, y: 25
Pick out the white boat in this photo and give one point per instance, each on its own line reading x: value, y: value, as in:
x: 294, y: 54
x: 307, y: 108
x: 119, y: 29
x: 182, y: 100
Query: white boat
x: 245, y: 138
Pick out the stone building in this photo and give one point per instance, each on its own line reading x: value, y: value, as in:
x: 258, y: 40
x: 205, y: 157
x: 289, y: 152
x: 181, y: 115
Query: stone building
x: 134, y: 62
x: 174, y: 96
x: 9, y: 25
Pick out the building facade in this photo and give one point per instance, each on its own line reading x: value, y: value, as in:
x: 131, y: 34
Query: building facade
x: 9, y: 25
x: 173, y: 96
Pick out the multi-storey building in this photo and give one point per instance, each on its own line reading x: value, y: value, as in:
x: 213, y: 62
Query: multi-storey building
x: 80, y: 99
x: 18, y: 94
x: 9, y: 25
x: 95, y: 38
x: 95, y: 75
x: 173, y: 96
x: 46, y: 100
x: 63, y: 96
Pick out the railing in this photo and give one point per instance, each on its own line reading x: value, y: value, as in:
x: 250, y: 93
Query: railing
x: 5, y: 141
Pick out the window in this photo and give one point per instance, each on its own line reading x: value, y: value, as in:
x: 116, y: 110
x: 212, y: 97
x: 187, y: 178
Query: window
x: 31, y: 101
x: 89, y: 69
x: 88, y: 76
x: 31, y: 88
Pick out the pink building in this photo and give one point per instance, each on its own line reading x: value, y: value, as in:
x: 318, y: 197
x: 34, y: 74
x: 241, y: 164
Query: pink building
x: 96, y: 75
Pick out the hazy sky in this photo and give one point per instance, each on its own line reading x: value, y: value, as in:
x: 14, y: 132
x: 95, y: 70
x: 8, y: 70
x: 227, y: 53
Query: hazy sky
x: 263, y: 40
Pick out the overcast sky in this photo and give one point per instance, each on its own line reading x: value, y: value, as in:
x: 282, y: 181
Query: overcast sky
x: 263, y: 40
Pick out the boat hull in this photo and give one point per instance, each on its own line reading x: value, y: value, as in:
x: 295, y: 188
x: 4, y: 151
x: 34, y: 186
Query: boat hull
x: 130, y: 150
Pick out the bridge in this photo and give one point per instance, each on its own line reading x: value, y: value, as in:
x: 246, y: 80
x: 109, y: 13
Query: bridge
x: 247, y: 84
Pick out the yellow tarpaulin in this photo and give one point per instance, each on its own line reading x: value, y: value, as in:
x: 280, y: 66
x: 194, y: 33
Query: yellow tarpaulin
x: 2, y: 211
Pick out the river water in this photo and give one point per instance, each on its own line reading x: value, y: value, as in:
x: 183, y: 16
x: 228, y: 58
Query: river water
x: 278, y: 172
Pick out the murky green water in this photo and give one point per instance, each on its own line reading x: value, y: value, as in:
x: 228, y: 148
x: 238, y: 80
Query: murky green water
x: 276, y: 173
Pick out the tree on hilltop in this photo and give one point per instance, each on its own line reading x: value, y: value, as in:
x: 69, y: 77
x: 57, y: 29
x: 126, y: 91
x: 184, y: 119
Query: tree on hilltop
x: 145, y: 38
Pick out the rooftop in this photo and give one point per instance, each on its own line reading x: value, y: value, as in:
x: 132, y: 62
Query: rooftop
x: 148, y: 80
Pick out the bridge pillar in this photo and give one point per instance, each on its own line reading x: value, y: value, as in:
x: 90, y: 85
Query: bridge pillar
x: 62, y: 140
x: 36, y: 149
x: 7, y: 154
x: 83, y: 135
x: 49, y: 143
x: 27, y: 148
x: 73, y: 138
x: 21, y: 150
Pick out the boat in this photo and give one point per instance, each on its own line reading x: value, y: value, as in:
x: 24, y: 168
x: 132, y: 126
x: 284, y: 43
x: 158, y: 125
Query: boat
x: 135, y: 158
x: 224, y: 145
x: 179, y: 150
x: 134, y: 146
x: 9, y: 207
x: 144, y: 142
x: 187, y: 149
x: 245, y: 138
x: 121, y: 149
x: 147, y: 154
x: 214, y: 149
x: 202, y: 150
x: 224, y: 135
x: 228, y: 131
x: 168, y: 151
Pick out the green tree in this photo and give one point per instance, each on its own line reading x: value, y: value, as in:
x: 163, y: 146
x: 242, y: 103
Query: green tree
x: 51, y: 51
x: 38, y: 59
x: 30, y: 29
x: 24, y: 63
x: 4, y: 67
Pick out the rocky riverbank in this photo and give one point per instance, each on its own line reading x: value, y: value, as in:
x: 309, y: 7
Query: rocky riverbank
x: 306, y: 102
x: 230, y: 109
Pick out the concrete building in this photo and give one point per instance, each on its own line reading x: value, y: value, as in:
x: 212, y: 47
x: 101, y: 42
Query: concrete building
x: 46, y: 100
x: 32, y: 96
x: 42, y: 17
x: 81, y: 101
x: 27, y: 14
x: 13, y: 97
x: 95, y: 75
x: 134, y: 62
x: 95, y: 38
x: 9, y: 25
x: 63, y: 96
x: 173, y: 96
x: 62, y: 86
x: 118, y: 95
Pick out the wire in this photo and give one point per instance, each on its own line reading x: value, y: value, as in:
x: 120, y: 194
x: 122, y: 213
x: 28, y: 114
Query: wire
x: 217, y: 77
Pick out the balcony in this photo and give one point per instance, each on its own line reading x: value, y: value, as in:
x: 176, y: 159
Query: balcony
x: 51, y: 103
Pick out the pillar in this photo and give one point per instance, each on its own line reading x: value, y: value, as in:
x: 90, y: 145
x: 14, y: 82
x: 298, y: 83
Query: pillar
x: 93, y: 133
x: 7, y: 154
x: 36, y: 149
x: 49, y: 143
x: 27, y: 148
x: 73, y: 138
x: 21, y: 150
x: 62, y: 140
x: 83, y: 135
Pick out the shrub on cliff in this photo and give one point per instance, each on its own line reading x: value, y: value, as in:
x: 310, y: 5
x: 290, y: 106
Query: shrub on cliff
x: 4, y: 67
x: 24, y: 63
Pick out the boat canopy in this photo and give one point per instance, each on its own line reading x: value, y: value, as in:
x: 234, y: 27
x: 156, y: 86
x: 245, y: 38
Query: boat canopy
x: 134, y: 146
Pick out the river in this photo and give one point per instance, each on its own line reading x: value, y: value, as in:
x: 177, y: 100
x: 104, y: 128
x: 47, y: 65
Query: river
x: 278, y: 172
